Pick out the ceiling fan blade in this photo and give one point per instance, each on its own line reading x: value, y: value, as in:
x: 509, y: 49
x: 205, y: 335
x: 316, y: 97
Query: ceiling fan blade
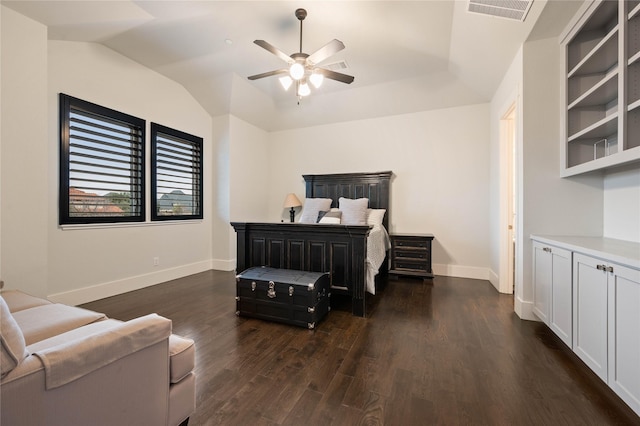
x: 271, y: 48
x: 331, y: 48
x: 343, y: 78
x: 268, y: 74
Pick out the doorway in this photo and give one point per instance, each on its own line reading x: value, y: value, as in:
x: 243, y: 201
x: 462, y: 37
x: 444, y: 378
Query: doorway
x: 508, y: 197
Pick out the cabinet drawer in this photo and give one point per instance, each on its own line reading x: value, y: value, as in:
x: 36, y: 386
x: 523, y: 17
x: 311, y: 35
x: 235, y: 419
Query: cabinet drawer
x: 411, y: 243
x: 408, y: 265
x: 404, y: 253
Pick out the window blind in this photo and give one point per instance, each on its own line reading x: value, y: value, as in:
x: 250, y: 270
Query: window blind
x: 176, y: 174
x: 102, y: 167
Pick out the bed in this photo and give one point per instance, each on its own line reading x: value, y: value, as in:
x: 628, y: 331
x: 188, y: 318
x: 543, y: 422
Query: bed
x: 355, y: 255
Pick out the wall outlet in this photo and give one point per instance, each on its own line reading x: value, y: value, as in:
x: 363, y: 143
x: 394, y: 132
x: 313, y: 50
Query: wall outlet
x: 156, y: 261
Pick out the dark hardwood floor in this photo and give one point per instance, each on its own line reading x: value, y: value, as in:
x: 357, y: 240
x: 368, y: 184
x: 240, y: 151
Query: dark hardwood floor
x: 446, y: 352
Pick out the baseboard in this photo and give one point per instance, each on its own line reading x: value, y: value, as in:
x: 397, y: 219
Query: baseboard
x: 461, y: 271
x: 112, y: 288
x: 223, y: 265
x: 524, y: 309
x: 494, y: 279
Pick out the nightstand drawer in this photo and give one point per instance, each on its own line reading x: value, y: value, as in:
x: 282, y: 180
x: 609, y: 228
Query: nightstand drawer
x: 420, y: 254
x: 411, y: 243
x: 408, y: 265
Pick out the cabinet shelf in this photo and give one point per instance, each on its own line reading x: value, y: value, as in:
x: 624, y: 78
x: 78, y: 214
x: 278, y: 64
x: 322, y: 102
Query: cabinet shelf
x: 633, y: 105
x: 634, y: 12
x: 601, y: 58
x: 600, y: 129
x: 603, y: 92
x: 635, y: 58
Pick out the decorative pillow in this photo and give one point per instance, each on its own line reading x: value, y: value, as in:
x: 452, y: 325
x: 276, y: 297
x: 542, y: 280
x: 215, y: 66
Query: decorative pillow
x: 12, y: 346
x: 311, y: 208
x: 375, y: 216
x: 330, y: 217
x: 354, y: 212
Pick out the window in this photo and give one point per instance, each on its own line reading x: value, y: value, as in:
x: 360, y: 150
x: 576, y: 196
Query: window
x: 101, y: 164
x: 176, y: 174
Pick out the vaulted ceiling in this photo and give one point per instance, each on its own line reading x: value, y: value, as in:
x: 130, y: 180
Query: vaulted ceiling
x: 406, y: 56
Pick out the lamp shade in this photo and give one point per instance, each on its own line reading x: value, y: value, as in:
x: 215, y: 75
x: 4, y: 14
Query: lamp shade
x: 291, y: 201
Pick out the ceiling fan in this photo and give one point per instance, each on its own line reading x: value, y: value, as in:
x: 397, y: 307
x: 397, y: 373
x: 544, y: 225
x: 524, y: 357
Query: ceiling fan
x: 303, y: 68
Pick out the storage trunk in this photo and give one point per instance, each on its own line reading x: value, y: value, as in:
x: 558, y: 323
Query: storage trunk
x: 283, y: 295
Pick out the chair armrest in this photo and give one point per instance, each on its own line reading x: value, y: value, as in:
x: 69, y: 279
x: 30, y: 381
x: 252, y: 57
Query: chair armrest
x: 69, y: 361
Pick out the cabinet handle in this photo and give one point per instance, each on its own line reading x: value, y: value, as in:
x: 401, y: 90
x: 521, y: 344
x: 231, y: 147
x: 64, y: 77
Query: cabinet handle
x: 601, y: 267
x: 547, y: 249
x: 610, y: 269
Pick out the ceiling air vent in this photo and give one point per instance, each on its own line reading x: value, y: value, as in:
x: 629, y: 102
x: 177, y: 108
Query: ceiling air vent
x: 337, y: 66
x: 509, y: 9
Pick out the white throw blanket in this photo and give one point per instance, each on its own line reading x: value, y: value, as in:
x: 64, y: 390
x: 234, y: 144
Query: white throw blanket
x: 378, y: 243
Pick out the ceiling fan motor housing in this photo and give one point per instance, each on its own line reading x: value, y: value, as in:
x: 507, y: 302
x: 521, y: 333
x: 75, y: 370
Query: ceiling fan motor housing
x: 301, y: 14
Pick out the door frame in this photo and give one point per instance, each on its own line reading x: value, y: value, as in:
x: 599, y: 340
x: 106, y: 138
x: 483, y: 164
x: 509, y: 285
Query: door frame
x: 508, y: 206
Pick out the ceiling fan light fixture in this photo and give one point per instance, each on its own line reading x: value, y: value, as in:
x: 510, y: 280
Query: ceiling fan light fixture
x: 316, y: 79
x: 304, y: 89
x: 303, y: 68
x: 296, y: 71
x: 286, y: 82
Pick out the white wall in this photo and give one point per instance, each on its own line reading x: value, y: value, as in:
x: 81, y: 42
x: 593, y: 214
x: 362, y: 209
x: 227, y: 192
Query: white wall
x: 77, y: 265
x: 441, y: 177
x: 89, y: 263
x: 550, y: 205
x: 25, y: 153
x: 622, y: 204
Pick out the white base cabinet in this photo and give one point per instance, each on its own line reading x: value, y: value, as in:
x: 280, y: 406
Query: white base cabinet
x: 599, y: 312
x: 590, y: 313
x: 552, y: 289
x: 624, y: 334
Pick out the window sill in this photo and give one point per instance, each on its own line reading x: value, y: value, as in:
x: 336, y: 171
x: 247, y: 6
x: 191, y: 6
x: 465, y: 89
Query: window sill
x: 75, y: 227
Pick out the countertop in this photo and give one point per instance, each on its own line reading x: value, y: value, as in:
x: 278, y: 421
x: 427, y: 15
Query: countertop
x: 619, y: 251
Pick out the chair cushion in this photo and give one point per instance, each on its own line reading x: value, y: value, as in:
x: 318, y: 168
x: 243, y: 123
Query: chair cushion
x: 182, y: 354
x: 12, y: 345
x: 42, y: 322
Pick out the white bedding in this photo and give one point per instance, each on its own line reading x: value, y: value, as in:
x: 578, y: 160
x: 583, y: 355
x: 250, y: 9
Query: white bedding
x: 378, y: 243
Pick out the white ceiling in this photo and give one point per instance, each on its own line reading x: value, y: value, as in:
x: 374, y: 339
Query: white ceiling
x: 406, y: 56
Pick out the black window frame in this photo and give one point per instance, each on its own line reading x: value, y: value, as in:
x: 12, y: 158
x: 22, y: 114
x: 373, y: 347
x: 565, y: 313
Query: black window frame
x: 67, y: 104
x: 197, y: 175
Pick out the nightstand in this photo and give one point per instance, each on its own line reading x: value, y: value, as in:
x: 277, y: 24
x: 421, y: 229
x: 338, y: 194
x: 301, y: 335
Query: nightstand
x: 411, y: 255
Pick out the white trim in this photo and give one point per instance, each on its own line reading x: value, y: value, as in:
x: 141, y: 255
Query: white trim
x: 223, y: 265
x: 494, y: 279
x: 524, y: 309
x: 112, y: 288
x: 75, y: 227
x: 460, y: 271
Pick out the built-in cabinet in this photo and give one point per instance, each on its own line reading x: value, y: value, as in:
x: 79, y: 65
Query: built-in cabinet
x: 552, y: 288
x: 598, y: 313
x: 601, y: 126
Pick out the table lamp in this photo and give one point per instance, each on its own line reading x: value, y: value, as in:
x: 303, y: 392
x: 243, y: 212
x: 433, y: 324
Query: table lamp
x: 290, y: 202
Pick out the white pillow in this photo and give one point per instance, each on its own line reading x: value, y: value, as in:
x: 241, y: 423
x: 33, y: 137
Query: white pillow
x: 311, y: 208
x: 375, y: 216
x: 12, y: 346
x: 354, y: 212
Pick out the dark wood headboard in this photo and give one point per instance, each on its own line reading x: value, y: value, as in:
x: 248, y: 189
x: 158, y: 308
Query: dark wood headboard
x: 374, y: 186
